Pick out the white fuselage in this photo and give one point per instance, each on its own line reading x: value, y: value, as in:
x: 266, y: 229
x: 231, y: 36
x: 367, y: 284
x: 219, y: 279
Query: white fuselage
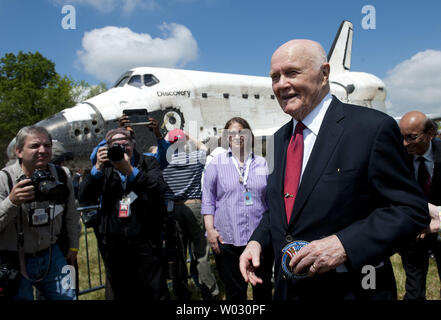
x: 208, y: 100
x: 198, y: 102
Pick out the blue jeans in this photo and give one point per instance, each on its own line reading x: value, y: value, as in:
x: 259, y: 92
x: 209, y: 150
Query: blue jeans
x: 52, y: 287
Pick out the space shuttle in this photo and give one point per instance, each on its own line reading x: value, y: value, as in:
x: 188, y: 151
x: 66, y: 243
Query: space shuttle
x: 201, y: 102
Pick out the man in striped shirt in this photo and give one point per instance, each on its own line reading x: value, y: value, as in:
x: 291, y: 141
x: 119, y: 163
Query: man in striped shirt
x: 186, y: 160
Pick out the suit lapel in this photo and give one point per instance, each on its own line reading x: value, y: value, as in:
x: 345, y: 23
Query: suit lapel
x: 436, y: 146
x: 436, y: 183
x: 324, y: 146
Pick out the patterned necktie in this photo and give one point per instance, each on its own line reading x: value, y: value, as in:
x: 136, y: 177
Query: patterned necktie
x: 423, y: 177
x: 294, y: 159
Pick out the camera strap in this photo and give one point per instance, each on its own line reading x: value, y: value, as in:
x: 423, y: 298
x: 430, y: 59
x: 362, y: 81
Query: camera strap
x: 10, y: 184
x: 21, y: 253
x: 57, y: 172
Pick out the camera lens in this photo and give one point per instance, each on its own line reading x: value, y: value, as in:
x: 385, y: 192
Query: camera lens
x: 116, y: 152
x: 47, y: 189
x: 58, y: 193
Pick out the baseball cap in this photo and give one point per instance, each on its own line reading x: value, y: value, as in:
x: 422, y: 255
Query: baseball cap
x: 122, y: 131
x: 175, y: 135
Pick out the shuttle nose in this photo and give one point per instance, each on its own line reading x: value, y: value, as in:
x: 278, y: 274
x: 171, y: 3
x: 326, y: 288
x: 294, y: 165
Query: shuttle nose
x: 79, y: 129
x: 57, y: 126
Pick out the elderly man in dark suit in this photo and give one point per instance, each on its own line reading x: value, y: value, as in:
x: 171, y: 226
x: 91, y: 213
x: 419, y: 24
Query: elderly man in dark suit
x: 341, y: 181
x: 419, y: 133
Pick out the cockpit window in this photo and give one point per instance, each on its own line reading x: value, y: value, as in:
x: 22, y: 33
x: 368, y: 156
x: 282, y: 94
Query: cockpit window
x: 150, y: 80
x: 122, y: 80
x: 135, y: 80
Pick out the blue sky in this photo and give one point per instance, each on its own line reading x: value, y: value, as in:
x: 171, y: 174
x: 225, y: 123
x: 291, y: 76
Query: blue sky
x: 234, y: 36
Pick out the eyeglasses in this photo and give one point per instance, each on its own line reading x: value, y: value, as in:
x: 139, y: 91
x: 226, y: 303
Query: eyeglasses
x: 412, y: 137
x: 235, y: 133
x: 125, y: 145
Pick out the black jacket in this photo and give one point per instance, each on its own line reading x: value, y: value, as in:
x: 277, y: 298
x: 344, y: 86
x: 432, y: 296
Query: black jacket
x: 147, y: 211
x: 358, y: 185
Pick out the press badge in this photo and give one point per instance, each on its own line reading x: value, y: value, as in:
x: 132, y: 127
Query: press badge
x: 124, y: 205
x: 124, y: 208
x: 40, y: 217
x: 248, y: 198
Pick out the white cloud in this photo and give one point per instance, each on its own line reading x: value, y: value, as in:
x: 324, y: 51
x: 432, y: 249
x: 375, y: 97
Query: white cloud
x: 415, y: 84
x: 108, y: 52
x: 106, y: 6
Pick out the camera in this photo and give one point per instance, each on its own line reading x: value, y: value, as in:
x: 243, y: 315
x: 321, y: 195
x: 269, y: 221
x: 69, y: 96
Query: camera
x: 9, y: 279
x: 46, y: 188
x: 116, y: 152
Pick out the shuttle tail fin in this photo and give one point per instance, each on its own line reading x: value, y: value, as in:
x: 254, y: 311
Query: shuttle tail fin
x: 339, y: 56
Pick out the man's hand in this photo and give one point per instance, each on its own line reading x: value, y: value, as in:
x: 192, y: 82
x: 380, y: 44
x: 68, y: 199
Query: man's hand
x: 22, y: 192
x: 71, y: 257
x: 101, y: 158
x: 249, y: 261
x: 319, y: 256
x: 434, y: 225
x: 214, y: 238
x: 153, y: 125
x: 123, y: 121
x: 124, y: 166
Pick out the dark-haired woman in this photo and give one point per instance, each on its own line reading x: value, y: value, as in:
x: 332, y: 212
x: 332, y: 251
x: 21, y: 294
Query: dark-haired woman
x: 233, y: 202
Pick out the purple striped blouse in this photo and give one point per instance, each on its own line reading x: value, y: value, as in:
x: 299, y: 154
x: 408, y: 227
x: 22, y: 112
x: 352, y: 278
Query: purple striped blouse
x: 224, y: 197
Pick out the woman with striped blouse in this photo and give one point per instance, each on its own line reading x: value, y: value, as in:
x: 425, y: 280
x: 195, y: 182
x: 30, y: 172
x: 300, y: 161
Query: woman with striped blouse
x: 233, y: 202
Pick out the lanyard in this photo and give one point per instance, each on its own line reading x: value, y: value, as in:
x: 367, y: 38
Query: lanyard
x: 123, y: 180
x: 123, y: 177
x: 243, y: 176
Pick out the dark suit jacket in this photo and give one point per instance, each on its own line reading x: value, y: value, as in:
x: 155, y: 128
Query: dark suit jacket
x: 435, y: 187
x: 358, y: 184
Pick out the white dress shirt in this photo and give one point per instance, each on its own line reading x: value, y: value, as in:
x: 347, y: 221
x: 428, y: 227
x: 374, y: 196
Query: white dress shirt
x: 313, y: 122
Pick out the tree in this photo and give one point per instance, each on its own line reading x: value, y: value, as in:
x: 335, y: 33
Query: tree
x: 96, y: 90
x: 30, y: 90
x: 83, y: 91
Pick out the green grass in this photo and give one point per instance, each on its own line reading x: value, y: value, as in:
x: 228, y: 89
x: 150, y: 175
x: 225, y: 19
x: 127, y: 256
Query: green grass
x: 432, y: 289
x: 433, y: 284
x: 94, y: 269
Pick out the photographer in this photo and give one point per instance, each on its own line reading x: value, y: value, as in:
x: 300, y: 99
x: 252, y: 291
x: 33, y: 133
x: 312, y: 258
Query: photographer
x: 33, y: 204
x: 132, y: 213
x: 186, y: 158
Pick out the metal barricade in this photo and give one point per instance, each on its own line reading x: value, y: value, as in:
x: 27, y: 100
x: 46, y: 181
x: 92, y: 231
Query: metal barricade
x: 85, y: 214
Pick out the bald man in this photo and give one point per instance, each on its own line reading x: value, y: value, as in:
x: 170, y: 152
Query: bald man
x: 419, y: 138
x: 340, y: 182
